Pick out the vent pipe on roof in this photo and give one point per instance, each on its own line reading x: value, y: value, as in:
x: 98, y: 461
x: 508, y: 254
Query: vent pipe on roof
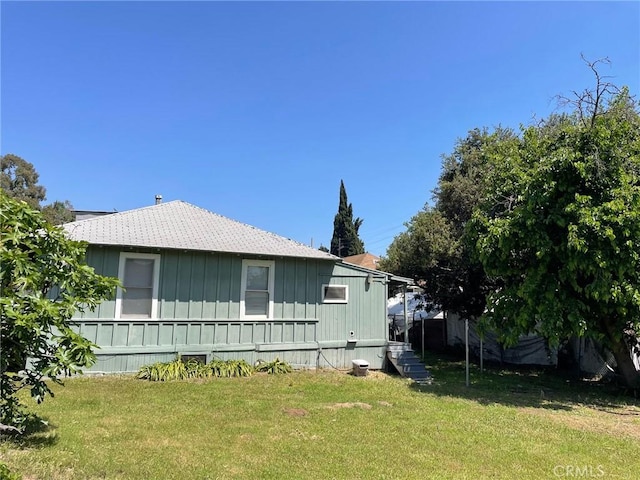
x: 158, y: 199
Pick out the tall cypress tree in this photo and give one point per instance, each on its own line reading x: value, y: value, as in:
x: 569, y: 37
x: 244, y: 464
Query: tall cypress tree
x: 345, y: 240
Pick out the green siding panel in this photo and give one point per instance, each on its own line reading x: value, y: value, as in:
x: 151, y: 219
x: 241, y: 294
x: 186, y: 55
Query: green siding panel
x: 288, y: 332
x: 168, y: 275
x: 276, y: 333
x: 223, y: 291
x: 289, y: 289
x: 90, y: 331
x: 151, y: 334
x: 278, y: 293
x: 210, y: 285
x: 193, y: 334
x: 165, y: 335
x: 104, y: 262
x: 313, y: 289
x: 220, y: 336
x: 183, y: 285
x: 104, y: 336
x: 259, y: 333
x: 236, y: 279
x: 246, y: 333
x: 233, y: 333
x: 207, y: 334
x: 300, y: 289
x: 136, y: 334
x: 180, y: 334
x: 120, y: 334
x: 196, y: 286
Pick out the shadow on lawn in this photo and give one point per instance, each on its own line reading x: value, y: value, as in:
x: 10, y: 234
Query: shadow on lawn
x: 38, y: 433
x: 537, y: 387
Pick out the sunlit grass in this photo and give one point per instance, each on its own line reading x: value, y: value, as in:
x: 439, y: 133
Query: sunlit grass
x: 331, y: 425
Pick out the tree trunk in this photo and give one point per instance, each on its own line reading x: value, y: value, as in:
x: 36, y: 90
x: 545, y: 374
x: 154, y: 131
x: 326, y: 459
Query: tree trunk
x: 622, y: 354
x: 626, y: 368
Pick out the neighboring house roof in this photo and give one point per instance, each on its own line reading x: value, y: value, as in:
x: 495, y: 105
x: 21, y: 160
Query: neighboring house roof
x: 87, y: 214
x: 396, y: 279
x: 180, y: 225
x: 367, y: 260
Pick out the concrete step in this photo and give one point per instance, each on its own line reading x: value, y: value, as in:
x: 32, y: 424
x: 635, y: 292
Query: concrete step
x: 407, y: 363
x: 407, y: 357
x: 413, y: 368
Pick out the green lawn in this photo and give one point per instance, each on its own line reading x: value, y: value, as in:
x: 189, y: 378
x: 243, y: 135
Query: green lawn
x: 321, y: 425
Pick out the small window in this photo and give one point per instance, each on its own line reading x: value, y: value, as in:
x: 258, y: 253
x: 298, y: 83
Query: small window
x: 257, y: 289
x: 139, y: 275
x: 335, y: 293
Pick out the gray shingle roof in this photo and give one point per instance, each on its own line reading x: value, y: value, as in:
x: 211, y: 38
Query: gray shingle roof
x: 180, y: 225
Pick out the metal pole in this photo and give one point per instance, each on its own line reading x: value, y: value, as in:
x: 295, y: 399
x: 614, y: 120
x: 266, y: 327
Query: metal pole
x: 481, y: 356
x: 422, y: 335
x: 466, y: 347
x: 406, y: 315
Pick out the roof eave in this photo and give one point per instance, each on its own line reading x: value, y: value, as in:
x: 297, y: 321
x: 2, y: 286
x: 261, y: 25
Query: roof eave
x: 331, y: 258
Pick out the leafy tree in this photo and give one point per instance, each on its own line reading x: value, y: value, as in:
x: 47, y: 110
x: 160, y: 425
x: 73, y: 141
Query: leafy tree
x: 345, y: 240
x: 434, y: 249
x: 58, y: 212
x: 44, y: 280
x: 19, y: 179
x: 560, y: 227
x: 554, y: 244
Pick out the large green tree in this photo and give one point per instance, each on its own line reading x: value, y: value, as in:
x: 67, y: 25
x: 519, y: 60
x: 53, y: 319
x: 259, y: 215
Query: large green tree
x: 345, y: 240
x: 19, y: 180
x: 433, y: 249
x: 559, y: 225
x: 58, y: 212
x: 44, y: 280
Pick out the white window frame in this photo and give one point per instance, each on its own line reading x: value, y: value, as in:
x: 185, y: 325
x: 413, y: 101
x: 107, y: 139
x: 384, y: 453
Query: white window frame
x: 243, y: 287
x: 335, y: 300
x: 156, y: 282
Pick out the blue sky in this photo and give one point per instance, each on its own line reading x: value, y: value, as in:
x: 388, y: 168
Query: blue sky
x: 257, y: 110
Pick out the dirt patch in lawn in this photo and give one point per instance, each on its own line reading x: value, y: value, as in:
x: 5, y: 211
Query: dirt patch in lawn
x: 336, y: 406
x: 618, y: 421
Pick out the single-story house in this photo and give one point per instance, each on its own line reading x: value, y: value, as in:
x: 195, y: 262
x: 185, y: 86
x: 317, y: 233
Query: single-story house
x: 200, y: 284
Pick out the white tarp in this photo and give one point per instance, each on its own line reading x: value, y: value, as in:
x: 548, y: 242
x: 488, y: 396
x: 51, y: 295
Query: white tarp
x: 530, y: 350
x: 416, y: 304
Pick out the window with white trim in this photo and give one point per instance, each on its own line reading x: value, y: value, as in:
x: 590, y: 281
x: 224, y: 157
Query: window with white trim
x: 256, y: 297
x: 139, y: 274
x: 335, y: 293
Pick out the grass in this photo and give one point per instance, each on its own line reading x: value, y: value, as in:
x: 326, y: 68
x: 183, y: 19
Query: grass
x: 527, y: 424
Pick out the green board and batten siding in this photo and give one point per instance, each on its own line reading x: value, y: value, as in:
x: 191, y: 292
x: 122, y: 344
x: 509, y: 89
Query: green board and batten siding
x: 199, y: 313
